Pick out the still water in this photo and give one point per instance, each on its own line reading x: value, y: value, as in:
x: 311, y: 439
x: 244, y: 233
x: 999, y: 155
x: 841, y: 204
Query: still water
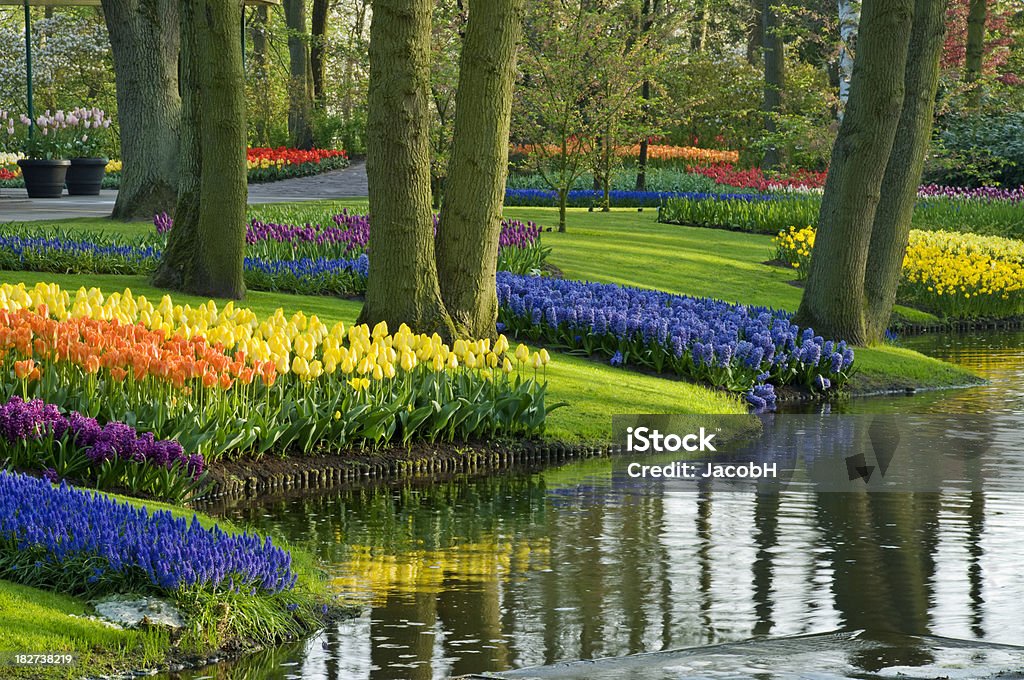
x: 467, y: 575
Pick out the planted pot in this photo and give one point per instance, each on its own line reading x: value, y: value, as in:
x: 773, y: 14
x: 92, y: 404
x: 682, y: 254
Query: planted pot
x: 85, y: 176
x: 44, y: 178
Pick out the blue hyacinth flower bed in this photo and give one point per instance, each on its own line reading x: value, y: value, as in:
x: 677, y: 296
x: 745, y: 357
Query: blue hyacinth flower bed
x: 86, y: 543
x: 585, y: 198
x: 740, y: 348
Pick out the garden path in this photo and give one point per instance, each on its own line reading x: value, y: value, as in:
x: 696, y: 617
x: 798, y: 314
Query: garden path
x: 347, y: 183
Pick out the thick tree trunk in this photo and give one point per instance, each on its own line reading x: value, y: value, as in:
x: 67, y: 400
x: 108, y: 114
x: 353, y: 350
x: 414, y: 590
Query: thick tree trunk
x: 891, y: 229
x: 976, y: 16
x: 206, y: 247
x: 318, y: 29
x: 774, y: 77
x: 300, y: 92
x: 144, y: 41
x: 403, y: 285
x: 467, y: 247
x: 834, y: 301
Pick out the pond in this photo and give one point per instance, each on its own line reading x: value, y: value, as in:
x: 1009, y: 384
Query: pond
x: 474, y: 575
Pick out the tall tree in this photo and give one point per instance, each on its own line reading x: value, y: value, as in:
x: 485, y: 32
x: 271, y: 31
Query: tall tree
x: 774, y: 75
x: 976, y: 16
x: 206, y: 247
x: 890, y: 230
x: 258, y: 31
x: 467, y: 248
x: 403, y: 285
x: 300, y: 90
x: 318, y: 49
x: 834, y: 301
x: 144, y: 40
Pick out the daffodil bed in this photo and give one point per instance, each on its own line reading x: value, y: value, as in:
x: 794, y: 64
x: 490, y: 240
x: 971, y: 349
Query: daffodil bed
x: 960, y: 276
x: 224, y: 382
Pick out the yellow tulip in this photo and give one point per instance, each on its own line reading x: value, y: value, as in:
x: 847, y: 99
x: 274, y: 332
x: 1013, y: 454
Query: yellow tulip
x: 522, y: 353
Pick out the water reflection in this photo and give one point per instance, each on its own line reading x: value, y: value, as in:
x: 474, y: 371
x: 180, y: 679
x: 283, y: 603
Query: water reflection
x: 473, y: 575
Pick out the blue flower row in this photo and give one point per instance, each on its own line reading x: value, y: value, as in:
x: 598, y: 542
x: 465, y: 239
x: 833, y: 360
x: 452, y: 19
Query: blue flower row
x: 56, y: 525
x: 585, y: 198
x: 732, y: 346
x: 338, y: 276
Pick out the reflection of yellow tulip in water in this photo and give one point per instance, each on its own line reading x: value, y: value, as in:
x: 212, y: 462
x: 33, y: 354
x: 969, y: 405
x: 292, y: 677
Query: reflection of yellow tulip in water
x: 370, y: 578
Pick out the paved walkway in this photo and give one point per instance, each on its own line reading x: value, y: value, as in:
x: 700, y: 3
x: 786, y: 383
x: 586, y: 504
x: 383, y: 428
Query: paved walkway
x: 15, y: 206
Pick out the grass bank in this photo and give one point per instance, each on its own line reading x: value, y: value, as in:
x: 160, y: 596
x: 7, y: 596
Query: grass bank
x: 36, y: 621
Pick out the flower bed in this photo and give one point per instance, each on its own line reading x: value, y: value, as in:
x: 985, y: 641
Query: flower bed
x: 807, y: 181
x: 225, y: 382
x: 36, y: 435
x: 659, y: 153
x: 87, y: 543
x: 586, y: 198
x: 757, y: 213
x: 955, y: 275
x: 309, y: 259
x: 739, y: 348
x: 270, y: 165
x: 772, y: 213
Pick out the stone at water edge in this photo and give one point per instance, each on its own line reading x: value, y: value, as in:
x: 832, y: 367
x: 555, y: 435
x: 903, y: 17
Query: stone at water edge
x: 132, y: 612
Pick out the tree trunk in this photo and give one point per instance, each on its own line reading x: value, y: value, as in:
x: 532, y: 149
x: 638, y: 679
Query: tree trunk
x: 403, y: 285
x: 647, y: 13
x: 834, y: 301
x: 774, y: 77
x: 976, y: 16
x: 258, y: 29
x: 849, y: 18
x: 300, y: 94
x: 699, y: 26
x: 144, y: 42
x: 755, y: 33
x: 563, y: 199
x: 891, y: 229
x: 206, y: 247
x: 467, y: 254
x: 318, y: 28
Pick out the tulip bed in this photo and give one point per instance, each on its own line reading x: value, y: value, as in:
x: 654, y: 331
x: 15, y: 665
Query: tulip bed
x: 270, y: 165
x: 85, y: 543
x: 225, y: 382
x: 736, y: 347
x: 957, y: 275
x: 586, y: 198
x: 35, y: 435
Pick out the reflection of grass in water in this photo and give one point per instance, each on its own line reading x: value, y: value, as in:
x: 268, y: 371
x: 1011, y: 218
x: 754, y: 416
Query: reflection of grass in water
x: 368, y: 576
